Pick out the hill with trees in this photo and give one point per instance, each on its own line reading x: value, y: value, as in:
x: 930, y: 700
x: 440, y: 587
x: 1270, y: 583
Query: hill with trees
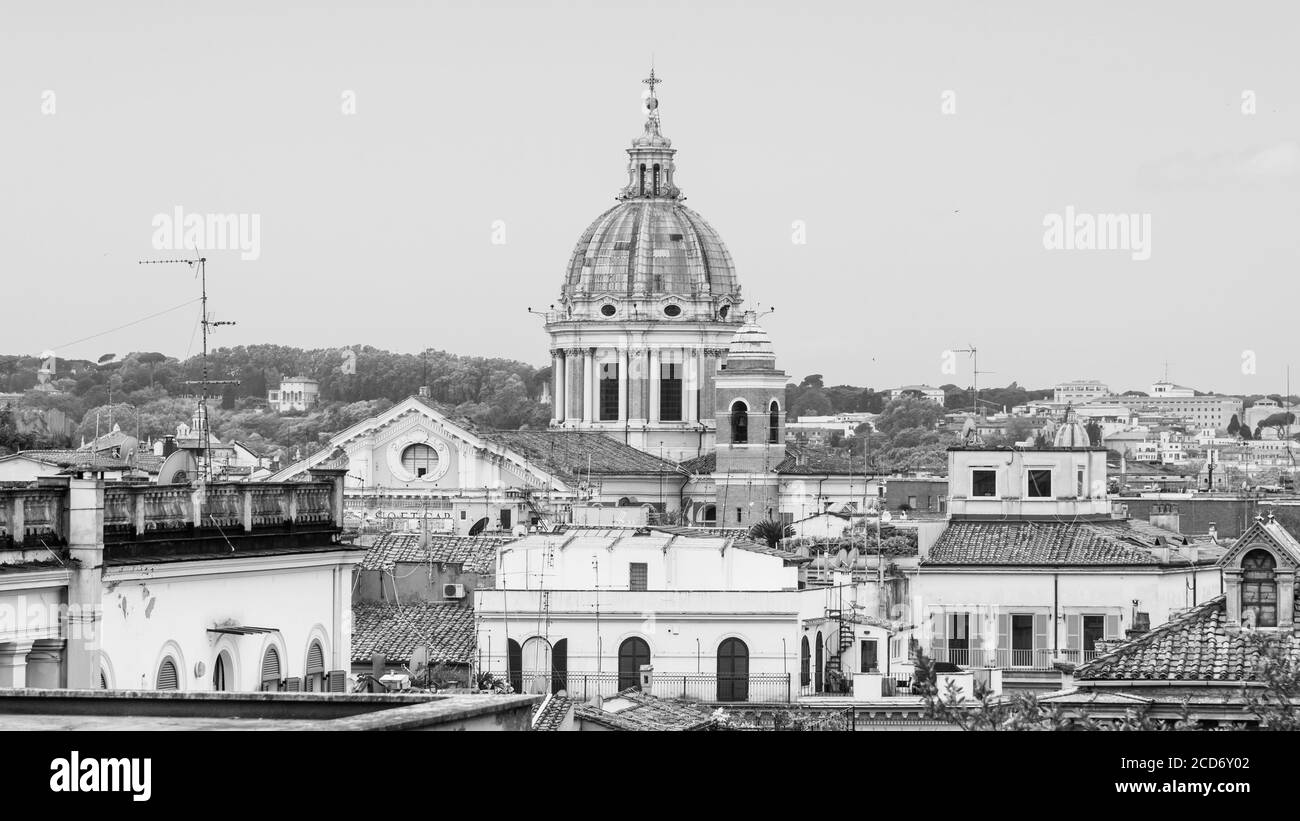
x: 153, y: 393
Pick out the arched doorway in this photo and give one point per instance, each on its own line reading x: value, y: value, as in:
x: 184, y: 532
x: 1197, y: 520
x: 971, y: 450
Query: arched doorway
x: 817, y: 666
x: 314, y: 674
x: 733, y: 670
x: 221, y: 673
x: 514, y: 665
x: 271, y: 670
x: 804, y: 663
x: 536, y: 665
x: 632, y: 654
x: 710, y: 515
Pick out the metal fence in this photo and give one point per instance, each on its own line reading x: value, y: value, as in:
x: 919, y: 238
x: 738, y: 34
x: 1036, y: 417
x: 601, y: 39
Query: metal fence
x: 1007, y: 658
x: 762, y: 687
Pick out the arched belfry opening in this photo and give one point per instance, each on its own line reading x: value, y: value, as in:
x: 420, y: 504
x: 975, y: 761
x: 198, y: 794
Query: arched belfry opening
x: 739, y: 423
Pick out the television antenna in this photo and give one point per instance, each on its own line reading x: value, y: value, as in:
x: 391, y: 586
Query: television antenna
x: 199, y: 265
x: 975, y: 375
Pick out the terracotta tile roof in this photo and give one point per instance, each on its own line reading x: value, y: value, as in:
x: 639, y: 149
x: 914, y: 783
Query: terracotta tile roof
x: 1196, y: 646
x: 1106, y: 542
x: 477, y: 554
x: 634, y: 710
x: 800, y: 460
x: 550, y: 714
x: 396, y: 629
x: 68, y: 457
x: 569, y: 454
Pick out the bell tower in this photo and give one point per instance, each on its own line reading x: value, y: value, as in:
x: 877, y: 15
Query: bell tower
x: 749, y: 398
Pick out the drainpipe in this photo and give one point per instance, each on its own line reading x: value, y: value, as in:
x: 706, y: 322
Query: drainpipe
x: 1056, y: 625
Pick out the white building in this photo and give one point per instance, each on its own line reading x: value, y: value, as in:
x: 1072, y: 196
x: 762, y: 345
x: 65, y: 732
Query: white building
x: 296, y: 393
x: 929, y: 392
x: 1079, y: 391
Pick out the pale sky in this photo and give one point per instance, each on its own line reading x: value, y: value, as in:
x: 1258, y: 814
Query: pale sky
x: 925, y: 229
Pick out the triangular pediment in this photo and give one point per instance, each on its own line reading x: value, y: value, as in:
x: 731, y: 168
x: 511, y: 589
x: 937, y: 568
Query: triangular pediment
x: 1270, y: 535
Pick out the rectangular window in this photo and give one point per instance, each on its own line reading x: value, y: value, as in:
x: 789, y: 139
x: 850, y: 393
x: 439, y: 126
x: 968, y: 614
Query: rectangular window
x: 609, y: 392
x: 670, y: 391
x: 1040, y: 484
x: 638, y: 576
x: 869, y: 662
x: 984, y: 483
x: 1079, y: 484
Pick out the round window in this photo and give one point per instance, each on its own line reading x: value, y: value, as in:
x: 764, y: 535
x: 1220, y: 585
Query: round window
x: 607, y: 310
x: 673, y: 310
x: 419, y: 459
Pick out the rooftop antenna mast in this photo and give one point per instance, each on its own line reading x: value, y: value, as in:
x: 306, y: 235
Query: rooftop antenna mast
x: 199, y: 264
x: 975, y: 376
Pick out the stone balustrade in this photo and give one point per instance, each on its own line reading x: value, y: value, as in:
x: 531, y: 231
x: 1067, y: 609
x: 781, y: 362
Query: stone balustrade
x: 34, y: 517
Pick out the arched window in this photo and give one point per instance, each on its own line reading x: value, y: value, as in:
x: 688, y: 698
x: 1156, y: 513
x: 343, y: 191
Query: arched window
x: 632, y: 653
x: 167, y: 678
x: 1259, y: 587
x: 314, y: 673
x: 710, y: 515
x: 271, y: 670
x: 219, y: 669
x: 773, y: 423
x: 419, y: 459
x: 656, y: 179
x: 643, y: 179
x: 817, y: 664
x: 805, y: 673
x: 733, y: 671
x: 739, y: 423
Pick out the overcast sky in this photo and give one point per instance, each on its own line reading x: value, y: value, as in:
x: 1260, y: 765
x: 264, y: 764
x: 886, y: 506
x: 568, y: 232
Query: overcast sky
x: 925, y: 229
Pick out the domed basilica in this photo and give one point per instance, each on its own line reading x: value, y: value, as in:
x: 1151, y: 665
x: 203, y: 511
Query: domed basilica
x: 648, y: 307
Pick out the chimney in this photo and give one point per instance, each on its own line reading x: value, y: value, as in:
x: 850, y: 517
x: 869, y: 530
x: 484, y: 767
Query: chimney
x: 424, y: 391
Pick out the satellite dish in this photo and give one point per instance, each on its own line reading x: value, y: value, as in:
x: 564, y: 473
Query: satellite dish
x: 853, y: 558
x: 479, y: 526
x: 842, y: 558
x: 178, y: 469
x: 419, y: 657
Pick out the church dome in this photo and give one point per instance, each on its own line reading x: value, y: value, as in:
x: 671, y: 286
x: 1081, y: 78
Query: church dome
x: 650, y: 253
x: 1072, y: 433
x: 651, y: 248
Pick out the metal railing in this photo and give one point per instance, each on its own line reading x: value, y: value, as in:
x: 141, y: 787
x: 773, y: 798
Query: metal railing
x: 1000, y: 657
x: 764, y: 687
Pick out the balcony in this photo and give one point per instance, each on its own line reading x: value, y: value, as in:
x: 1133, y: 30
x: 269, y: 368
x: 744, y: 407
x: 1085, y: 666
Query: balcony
x: 1026, y: 507
x: 701, y: 687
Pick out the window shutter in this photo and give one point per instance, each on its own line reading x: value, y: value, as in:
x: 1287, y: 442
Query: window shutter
x: 167, y: 675
x: 293, y: 685
x: 1004, y: 631
x: 560, y: 666
x: 938, y: 642
x: 271, y: 665
x: 975, y: 630
x: 1073, y: 631
x: 338, y: 681
x: 1112, y: 626
x: 1040, y: 631
x: 315, y: 659
x: 515, y: 665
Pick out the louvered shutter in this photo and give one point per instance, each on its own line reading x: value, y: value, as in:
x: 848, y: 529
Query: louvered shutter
x: 976, y: 631
x: 1040, y: 638
x: 1112, y: 626
x: 293, y: 685
x: 103, y: 681
x: 515, y: 665
x: 315, y: 659
x: 1004, y: 640
x: 938, y: 621
x: 1074, y: 632
x: 338, y: 680
x: 270, y: 666
x: 167, y: 675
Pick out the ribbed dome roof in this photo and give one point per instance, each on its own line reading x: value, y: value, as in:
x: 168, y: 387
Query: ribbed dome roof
x: 651, y: 248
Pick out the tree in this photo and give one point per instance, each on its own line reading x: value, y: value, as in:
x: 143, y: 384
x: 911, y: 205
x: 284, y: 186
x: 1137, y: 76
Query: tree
x: 812, y: 381
x: 770, y: 532
x: 1244, y: 433
x: 1094, y: 433
x: 1234, y: 425
x: 900, y: 414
